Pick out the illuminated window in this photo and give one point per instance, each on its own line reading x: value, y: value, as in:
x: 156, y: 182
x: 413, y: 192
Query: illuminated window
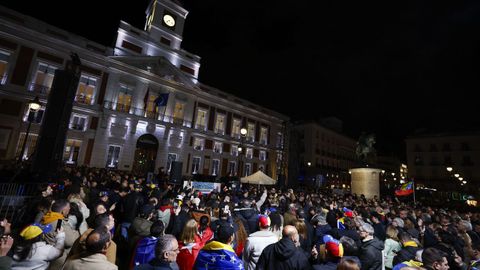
x: 198, y: 144
x: 234, y: 150
x: 29, y: 146
x: 43, y: 78
x: 220, y: 124
x: 178, y: 113
x: 78, y: 122
x: 86, y: 90
x: 4, y: 59
x: 151, y: 108
x: 231, y: 168
x: 195, y: 164
x: 170, y: 158
x: 251, y: 132
x: 263, y: 155
x: 124, y: 100
x: 112, y: 156
x: 72, y: 148
x: 249, y: 153
x: 280, y: 140
x: 248, y: 169
x: 201, y: 122
x: 217, y: 147
x: 215, y: 166
x: 263, y: 135
x: 236, y: 126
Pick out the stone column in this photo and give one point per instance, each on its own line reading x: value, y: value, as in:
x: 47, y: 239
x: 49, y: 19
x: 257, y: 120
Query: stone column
x: 366, y: 181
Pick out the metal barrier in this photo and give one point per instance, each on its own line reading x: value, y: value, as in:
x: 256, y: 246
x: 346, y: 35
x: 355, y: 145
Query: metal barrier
x: 13, y: 197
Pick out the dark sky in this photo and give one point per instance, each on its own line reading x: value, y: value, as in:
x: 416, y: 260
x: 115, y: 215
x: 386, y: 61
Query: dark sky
x: 384, y: 67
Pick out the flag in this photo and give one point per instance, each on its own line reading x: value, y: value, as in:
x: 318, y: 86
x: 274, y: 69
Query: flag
x: 145, y: 99
x: 161, y: 100
x: 405, y: 189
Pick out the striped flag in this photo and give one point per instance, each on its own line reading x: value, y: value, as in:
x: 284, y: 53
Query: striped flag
x: 405, y: 189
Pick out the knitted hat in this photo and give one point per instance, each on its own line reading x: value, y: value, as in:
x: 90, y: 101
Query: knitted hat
x: 35, y: 230
x: 263, y: 221
x: 333, y: 246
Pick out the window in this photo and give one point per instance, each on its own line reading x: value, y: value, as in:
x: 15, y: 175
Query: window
x: 29, y: 145
x: 4, y: 59
x: 263, y: 155
x: 447, y: 160
x: 112, y: 156
x: 279, y: 157
x: 220, y: 124
x: 201, y: 122
x: 151, y: 112
x: 249, y: 153
x: 280, y: 140
x: 234, y: 150
x: 236, y: 126
x: 231, y: 168
x: 248, y: 169
x: 34, y: 116
x: 170, y: 158
x: 251, y: 132
x: 72, y: 148
x: 178, y: 113
x: 195, y: 164
x: 217, y: 147
x: 43, y: 78
x: 198, y: 144
x: 124, y: 100
x: 78, y: 122
x: 215, y: 166
x: 264, y: 135
x: 86, y: 90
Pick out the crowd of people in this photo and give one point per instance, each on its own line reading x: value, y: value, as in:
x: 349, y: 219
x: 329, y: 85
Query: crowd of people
x: 92, y: 218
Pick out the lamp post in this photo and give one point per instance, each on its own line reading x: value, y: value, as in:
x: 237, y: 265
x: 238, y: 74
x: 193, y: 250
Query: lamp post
x: 243, y: 134
x: 33, y: 107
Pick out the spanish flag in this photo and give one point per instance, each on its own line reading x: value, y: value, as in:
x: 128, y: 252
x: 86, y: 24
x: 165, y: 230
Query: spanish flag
x: 405, y: 189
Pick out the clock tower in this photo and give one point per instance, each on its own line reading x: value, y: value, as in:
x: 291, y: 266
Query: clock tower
x: 165, y: 21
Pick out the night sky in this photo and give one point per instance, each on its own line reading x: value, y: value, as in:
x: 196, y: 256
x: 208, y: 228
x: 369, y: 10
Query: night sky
x: 383, y: 67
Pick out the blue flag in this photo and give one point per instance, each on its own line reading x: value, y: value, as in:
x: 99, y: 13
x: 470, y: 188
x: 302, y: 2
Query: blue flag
x: 162, y: 100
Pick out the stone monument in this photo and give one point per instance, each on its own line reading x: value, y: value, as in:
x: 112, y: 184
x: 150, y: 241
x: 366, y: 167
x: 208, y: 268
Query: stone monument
x: 365, y: 178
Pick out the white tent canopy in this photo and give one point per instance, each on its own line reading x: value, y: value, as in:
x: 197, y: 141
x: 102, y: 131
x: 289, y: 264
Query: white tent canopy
x: 258, y: 178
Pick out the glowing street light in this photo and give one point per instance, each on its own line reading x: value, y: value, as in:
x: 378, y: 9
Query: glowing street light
x: 456, y: 175
x: 449, y: 169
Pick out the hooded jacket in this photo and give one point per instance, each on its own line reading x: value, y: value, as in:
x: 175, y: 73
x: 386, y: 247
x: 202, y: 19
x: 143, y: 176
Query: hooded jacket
x: 283, y: 255
x: 371, y: 254
x: 215, y: 256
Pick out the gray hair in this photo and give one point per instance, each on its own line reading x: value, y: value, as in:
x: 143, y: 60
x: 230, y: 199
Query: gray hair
x: 367, y: 228
x: 468, y: 225
x: 164, y: 244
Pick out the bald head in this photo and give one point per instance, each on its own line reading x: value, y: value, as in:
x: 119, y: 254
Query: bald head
x: 291, y: 232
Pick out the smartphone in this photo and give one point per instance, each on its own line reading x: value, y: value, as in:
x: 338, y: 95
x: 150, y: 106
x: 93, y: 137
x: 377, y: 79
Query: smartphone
x: 59, y: 224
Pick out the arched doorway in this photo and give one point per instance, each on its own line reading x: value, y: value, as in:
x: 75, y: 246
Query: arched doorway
x: 145, y: 155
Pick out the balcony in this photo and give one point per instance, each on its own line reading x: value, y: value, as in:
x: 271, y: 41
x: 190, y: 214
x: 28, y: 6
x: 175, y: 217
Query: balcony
x: 39, y: 88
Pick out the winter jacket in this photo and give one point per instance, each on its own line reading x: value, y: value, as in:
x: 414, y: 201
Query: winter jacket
x: 89, y: 261
x: 282, y: 255
x: 254, y: 246
x: 140, y: 226
x: 79, y: 247
x: 370, y: 254
x: 216, y: 256
x: 249, y: 218
x: 390, y: 251
x: 156, y: 264
x: 41, y: 255
x: 407, y: 253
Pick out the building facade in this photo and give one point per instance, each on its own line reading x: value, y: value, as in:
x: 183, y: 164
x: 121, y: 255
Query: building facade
x: 429, y: 155
x: 322, y: 154
x: 139, y: 106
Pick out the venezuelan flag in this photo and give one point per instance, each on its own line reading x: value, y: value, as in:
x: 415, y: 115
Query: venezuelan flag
x: 405, y: 189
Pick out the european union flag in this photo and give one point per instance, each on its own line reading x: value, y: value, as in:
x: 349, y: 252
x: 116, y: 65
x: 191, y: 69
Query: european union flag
x: 162, y: 100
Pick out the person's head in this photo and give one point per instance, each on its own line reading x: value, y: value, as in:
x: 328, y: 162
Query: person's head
x: 350, y: 247
x: 264, y: 222
x: 291, y: 233
x: 5, y: 227
x: 392, y: 232
x: 189, y: 231
x: 476, y: 250
x: 204, y: 221
x: 167, y: 249
x: 100, y: 208
x: 435, y: 259
x: 105, y: 219
x: 398, y: 222
x: 61, y: 206
x: 98, y: 240
x: 225, y: 233
x: 365, y: 231
x: 348, y: 264
x: 333, y: 247
x: 404, y: 237
x: 276, y: 221
x: 301, y: 228
x: 157, y: 229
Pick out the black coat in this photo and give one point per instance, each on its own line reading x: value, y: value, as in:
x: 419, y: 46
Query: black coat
x: 283, y: 255
x: 370, y: 254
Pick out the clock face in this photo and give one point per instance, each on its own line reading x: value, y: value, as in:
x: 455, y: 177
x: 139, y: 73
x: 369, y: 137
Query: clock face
x: 169, y: 20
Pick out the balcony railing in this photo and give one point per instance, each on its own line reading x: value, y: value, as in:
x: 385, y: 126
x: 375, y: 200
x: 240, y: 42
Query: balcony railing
x: 82, y: 99
x: 39, y: 88
x: 77, y: 127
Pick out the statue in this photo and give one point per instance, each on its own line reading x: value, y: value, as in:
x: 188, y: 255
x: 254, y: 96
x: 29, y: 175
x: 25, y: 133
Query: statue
x: 365, y: 151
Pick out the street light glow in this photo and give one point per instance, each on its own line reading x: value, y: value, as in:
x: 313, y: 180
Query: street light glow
x: 243, y: 131
x: 35, y: 104
x: 456, y: 175
x: 449, y: 169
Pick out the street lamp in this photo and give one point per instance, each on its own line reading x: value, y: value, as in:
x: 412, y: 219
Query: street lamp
x: 449, y: 169
x: 243, y: 133
x: 33, y: 107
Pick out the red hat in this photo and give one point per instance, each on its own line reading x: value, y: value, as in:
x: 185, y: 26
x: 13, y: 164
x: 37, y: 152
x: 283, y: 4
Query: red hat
x: 333, y: 246
x: 264, y: 221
